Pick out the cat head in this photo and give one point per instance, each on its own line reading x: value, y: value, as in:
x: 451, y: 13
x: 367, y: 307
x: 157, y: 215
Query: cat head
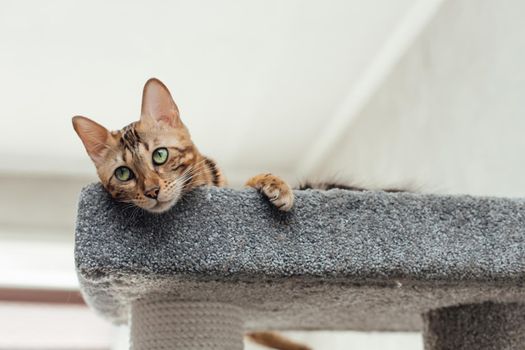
x: 148, y: 163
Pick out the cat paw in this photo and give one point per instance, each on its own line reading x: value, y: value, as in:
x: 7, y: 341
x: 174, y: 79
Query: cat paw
x: 275, y: 189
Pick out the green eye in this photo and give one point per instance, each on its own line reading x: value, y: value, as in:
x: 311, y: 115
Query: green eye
x: 123, y: 173
x: 160, y: 156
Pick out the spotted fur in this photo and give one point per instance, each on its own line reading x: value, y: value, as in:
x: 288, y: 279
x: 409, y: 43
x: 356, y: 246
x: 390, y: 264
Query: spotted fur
x: 156, y: 188
x: 332, y: 185
x: 132, y: 147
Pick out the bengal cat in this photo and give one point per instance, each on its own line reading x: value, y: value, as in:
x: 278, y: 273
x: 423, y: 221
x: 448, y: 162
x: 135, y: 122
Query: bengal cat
x: 153, y: 162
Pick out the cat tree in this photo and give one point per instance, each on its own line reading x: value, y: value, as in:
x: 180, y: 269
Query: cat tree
x: 224, y: 261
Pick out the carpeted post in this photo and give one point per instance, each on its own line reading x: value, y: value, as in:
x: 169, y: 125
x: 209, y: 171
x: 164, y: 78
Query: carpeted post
x: 485, y: 326
x: 166, y: 325
x: 367, y: 261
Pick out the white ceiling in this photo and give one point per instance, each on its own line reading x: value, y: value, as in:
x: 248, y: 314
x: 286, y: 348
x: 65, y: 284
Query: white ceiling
x: 450, y: 115
x: 256, y: 81
x: 385, y: 91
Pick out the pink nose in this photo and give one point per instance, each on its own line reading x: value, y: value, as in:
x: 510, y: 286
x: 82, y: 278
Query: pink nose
x: 152, y: 192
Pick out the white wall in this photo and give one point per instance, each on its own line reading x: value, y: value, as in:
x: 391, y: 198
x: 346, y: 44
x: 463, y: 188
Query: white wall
x: 255, y: 81
x: 450, y: 117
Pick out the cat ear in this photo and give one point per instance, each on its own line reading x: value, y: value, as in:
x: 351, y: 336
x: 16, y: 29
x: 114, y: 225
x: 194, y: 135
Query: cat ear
x: 94, y: 136
x: 157, y: 104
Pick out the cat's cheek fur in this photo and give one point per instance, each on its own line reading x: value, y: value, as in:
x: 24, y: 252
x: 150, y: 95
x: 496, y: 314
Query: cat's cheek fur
x: 168, y: 197
x: 161, y: 207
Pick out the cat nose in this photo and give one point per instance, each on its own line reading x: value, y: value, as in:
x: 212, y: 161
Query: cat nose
x: 152, y: 192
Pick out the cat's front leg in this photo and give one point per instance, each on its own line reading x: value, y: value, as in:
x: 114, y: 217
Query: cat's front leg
x: 275, y: 189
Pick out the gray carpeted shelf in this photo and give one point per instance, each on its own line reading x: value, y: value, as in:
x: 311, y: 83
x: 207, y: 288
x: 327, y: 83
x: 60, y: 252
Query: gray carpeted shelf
x: 339, y: 260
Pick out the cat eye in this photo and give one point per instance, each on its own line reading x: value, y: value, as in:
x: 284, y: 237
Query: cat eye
x: 123, y: 173
x: 160, y: 156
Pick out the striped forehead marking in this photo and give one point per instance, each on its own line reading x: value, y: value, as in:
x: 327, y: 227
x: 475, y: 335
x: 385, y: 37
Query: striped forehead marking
x: 129, y: 138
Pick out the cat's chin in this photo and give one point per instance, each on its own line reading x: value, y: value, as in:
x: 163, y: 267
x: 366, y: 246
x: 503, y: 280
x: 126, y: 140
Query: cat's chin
x: 161, y: 207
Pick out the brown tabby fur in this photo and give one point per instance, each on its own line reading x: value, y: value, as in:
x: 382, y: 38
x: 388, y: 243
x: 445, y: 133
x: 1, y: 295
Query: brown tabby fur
x: 156, y: 188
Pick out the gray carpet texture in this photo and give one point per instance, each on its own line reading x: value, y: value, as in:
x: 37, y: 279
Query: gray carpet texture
x: 340, y: 259
x: 485, y: 326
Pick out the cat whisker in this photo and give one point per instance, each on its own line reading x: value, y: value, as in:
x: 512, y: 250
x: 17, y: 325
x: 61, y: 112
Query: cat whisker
x: 198, y: 164
x: 135, y: 213
x: 127, y: 206
x: 192, y: 169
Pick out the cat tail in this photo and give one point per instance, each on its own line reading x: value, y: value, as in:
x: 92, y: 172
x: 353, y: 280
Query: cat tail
x: 275, y: 341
